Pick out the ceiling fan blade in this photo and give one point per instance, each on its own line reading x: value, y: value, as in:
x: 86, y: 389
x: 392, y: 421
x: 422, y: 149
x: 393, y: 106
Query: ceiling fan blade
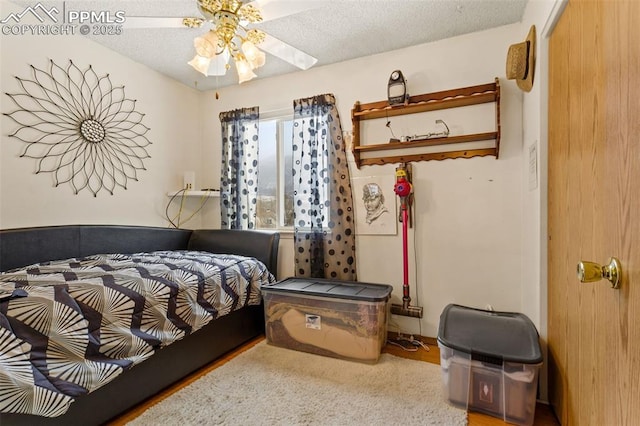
x: 135, y: 22
x: 272, y: 9
x: 287, y: 52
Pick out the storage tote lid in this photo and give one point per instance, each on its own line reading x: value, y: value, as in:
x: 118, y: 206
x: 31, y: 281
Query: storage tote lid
x: 507, y: 336
x: 322, y: 287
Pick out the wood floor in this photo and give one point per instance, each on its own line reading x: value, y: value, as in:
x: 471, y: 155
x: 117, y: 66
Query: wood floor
x: 544, y: 415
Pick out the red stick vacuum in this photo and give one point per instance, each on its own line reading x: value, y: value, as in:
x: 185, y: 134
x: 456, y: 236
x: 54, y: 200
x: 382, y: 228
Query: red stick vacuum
x: 403, y: 189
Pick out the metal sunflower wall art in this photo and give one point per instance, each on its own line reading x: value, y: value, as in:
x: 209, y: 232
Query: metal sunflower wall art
x: 80, y: 128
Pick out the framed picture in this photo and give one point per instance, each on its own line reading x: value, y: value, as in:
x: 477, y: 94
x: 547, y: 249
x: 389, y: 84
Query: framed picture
x: 375, y: 205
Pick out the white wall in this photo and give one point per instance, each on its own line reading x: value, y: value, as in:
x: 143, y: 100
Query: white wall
x: 467, y: 241
x: 542, y: 14
x: 171, y: 112
x: 538, y: 13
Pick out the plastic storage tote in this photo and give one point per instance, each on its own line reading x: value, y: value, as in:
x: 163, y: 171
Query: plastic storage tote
x: 490, y: 362
x: 341, y: 319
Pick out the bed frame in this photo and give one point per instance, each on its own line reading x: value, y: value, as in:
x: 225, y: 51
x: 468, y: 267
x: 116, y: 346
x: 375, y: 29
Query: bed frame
x: 25, y: 246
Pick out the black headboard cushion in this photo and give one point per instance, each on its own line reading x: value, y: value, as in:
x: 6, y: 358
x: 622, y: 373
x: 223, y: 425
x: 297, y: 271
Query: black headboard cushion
x: 25, y: 246
x: 261, y: 245
x: 96, y: 239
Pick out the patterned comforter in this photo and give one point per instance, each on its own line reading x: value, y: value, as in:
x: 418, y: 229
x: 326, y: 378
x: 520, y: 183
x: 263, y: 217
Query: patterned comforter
x: 68, y: 327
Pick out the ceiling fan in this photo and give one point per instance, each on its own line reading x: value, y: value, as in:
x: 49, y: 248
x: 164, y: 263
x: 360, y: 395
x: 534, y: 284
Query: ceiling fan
x: 231, y: 36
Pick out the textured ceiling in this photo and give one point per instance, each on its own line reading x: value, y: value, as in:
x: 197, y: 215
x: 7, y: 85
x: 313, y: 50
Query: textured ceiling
x: 332, y: 31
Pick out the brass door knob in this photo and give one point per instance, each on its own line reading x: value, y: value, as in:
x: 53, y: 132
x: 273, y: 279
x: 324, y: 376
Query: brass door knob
x: 589, y: 272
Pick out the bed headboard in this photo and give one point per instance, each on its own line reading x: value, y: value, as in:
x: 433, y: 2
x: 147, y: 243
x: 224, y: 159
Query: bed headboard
x: 25, y: 246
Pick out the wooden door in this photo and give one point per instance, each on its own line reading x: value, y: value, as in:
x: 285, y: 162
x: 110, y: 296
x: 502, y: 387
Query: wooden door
x: 594, y: 212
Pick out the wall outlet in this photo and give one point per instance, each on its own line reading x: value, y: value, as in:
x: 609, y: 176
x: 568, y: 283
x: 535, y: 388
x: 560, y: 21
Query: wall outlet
x: 189, y: 181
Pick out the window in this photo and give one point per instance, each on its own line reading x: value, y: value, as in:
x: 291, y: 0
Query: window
x: 275, y: 181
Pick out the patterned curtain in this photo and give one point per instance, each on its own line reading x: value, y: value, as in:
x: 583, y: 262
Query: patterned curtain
x: 323, y: 208
x: 239, y: 174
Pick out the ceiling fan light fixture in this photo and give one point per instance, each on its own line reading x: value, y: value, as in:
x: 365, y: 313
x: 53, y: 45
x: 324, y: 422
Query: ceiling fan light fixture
x: 207, y: 44
x: 254, y: 56
x: 200, y: 64
x: 245, y: 73
x: 231, y: 39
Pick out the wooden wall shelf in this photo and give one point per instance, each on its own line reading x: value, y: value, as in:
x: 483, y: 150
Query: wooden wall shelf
x: 473, y: 95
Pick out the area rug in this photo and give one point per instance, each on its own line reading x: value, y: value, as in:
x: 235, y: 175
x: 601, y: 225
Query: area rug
x: 267, y: 385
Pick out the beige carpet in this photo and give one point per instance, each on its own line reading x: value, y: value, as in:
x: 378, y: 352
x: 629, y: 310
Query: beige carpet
x: 267, y: 385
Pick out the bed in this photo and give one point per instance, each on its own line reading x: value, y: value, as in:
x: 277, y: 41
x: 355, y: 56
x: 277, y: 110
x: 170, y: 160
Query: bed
x: 81, y: 267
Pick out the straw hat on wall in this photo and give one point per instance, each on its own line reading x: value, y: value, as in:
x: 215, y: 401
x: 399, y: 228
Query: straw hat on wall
x: 521, y: 61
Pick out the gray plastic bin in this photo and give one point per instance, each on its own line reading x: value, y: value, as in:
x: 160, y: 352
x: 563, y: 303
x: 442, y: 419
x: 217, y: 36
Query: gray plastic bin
x: 342, y: 319
x: 490, y: 362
